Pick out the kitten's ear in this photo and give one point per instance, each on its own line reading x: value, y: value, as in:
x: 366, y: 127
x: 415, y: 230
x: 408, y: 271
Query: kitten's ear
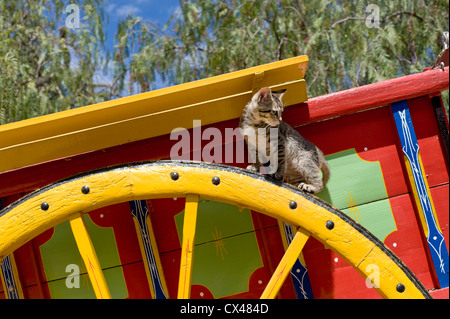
x: 279, y: 94
x: 263, y: 95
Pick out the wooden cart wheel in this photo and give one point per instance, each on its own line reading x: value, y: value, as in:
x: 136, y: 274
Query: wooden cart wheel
x: 70, y: 198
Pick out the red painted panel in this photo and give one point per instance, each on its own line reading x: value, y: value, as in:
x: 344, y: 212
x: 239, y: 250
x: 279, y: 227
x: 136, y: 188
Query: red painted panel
x: 372, y: 134
x: 440, y: 293
x: 440, y: 197
x: 408, y: 241
x: 332, y: 277
x: 427, y: 133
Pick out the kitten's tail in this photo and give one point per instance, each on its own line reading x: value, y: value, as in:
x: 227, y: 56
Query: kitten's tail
x: 325, y: 168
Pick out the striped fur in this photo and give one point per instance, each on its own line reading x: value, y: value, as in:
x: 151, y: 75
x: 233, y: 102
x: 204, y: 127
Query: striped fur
x: 299, y: 161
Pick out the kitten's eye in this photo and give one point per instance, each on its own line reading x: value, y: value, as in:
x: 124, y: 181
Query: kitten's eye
x: 265, y: 111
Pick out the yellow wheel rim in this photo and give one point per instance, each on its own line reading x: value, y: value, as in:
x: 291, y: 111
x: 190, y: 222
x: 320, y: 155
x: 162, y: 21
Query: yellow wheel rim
x: 67, y: 199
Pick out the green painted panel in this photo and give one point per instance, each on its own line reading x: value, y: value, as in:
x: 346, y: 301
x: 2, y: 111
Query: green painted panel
x: 232, y: 221
x: 357, y: 188
x: 226, y: 251
x: 61, y: 250
x: 376, y: 217
x: 59, y: 289
x: 352, y: 178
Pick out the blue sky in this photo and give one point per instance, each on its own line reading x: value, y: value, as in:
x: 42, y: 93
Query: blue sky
x: 153, y: 10
x: 158, y: 11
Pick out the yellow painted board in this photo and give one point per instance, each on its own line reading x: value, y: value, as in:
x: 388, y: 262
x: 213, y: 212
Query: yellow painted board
x: 25, y: 219
x: 206, y: 91
x: 187, y: 246
x: 87, y: 252
x: 161, y: 100
x: 286, y: 264
x: 132, y: 129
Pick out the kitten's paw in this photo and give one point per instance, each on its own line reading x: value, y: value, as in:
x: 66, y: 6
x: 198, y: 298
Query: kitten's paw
x: 252, y: 168
x: 277, y: 176
x: 307, y: 188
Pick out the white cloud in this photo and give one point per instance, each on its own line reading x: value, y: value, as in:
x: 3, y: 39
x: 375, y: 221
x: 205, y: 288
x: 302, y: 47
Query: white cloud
x: 110, y: 8
x: 123, y: 11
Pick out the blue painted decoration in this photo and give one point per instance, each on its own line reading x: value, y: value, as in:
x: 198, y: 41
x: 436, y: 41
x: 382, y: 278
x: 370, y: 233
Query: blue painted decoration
x: 410, y: 147
x: 139, y: 210
x: 299, y: 272
x: 10, y: 283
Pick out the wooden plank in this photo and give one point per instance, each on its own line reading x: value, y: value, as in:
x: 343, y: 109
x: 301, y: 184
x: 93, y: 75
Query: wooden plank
x: 440, y: 294
x: 134, y: 129
x: 286, y: 264
x: 187, y: 246
x: 374, y: 95
x: 421, y: 191
x: 89, y: 256
x: 129, y: 119
x: 152, y: 102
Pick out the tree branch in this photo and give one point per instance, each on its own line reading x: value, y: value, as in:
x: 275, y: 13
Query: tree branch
x: 382, y: 20
x: 402, y: 12
x: 346, y: 19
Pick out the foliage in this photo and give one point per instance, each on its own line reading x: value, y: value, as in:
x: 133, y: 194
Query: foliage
x: 211, y: 37
x: 44, y: 66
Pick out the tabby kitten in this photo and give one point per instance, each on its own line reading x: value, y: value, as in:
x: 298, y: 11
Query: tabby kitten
x: 299, y: 161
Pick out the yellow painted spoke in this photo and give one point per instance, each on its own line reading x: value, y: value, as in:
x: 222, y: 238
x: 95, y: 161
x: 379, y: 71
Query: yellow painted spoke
x: 286, y: 264
x: 187, y: 246
x: 89, y: 256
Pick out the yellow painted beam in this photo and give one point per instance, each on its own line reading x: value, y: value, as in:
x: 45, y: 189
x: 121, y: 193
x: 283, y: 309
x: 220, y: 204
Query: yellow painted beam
x: 25, y: 219
x: 286, y: 264
x: 87, y: 252
x: 187, y: 246
x: 145, y: 115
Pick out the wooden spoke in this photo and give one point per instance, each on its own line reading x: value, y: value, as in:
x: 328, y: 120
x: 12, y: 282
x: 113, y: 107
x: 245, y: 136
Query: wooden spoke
x: 89, y: 257
x: 187, y: 246
x: 285, y: 265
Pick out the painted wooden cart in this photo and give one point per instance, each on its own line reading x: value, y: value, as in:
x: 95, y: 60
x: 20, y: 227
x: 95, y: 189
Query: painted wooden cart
x: 96, y: 202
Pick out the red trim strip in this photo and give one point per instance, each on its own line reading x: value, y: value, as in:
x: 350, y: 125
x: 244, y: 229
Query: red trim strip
x: 377, y: 94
